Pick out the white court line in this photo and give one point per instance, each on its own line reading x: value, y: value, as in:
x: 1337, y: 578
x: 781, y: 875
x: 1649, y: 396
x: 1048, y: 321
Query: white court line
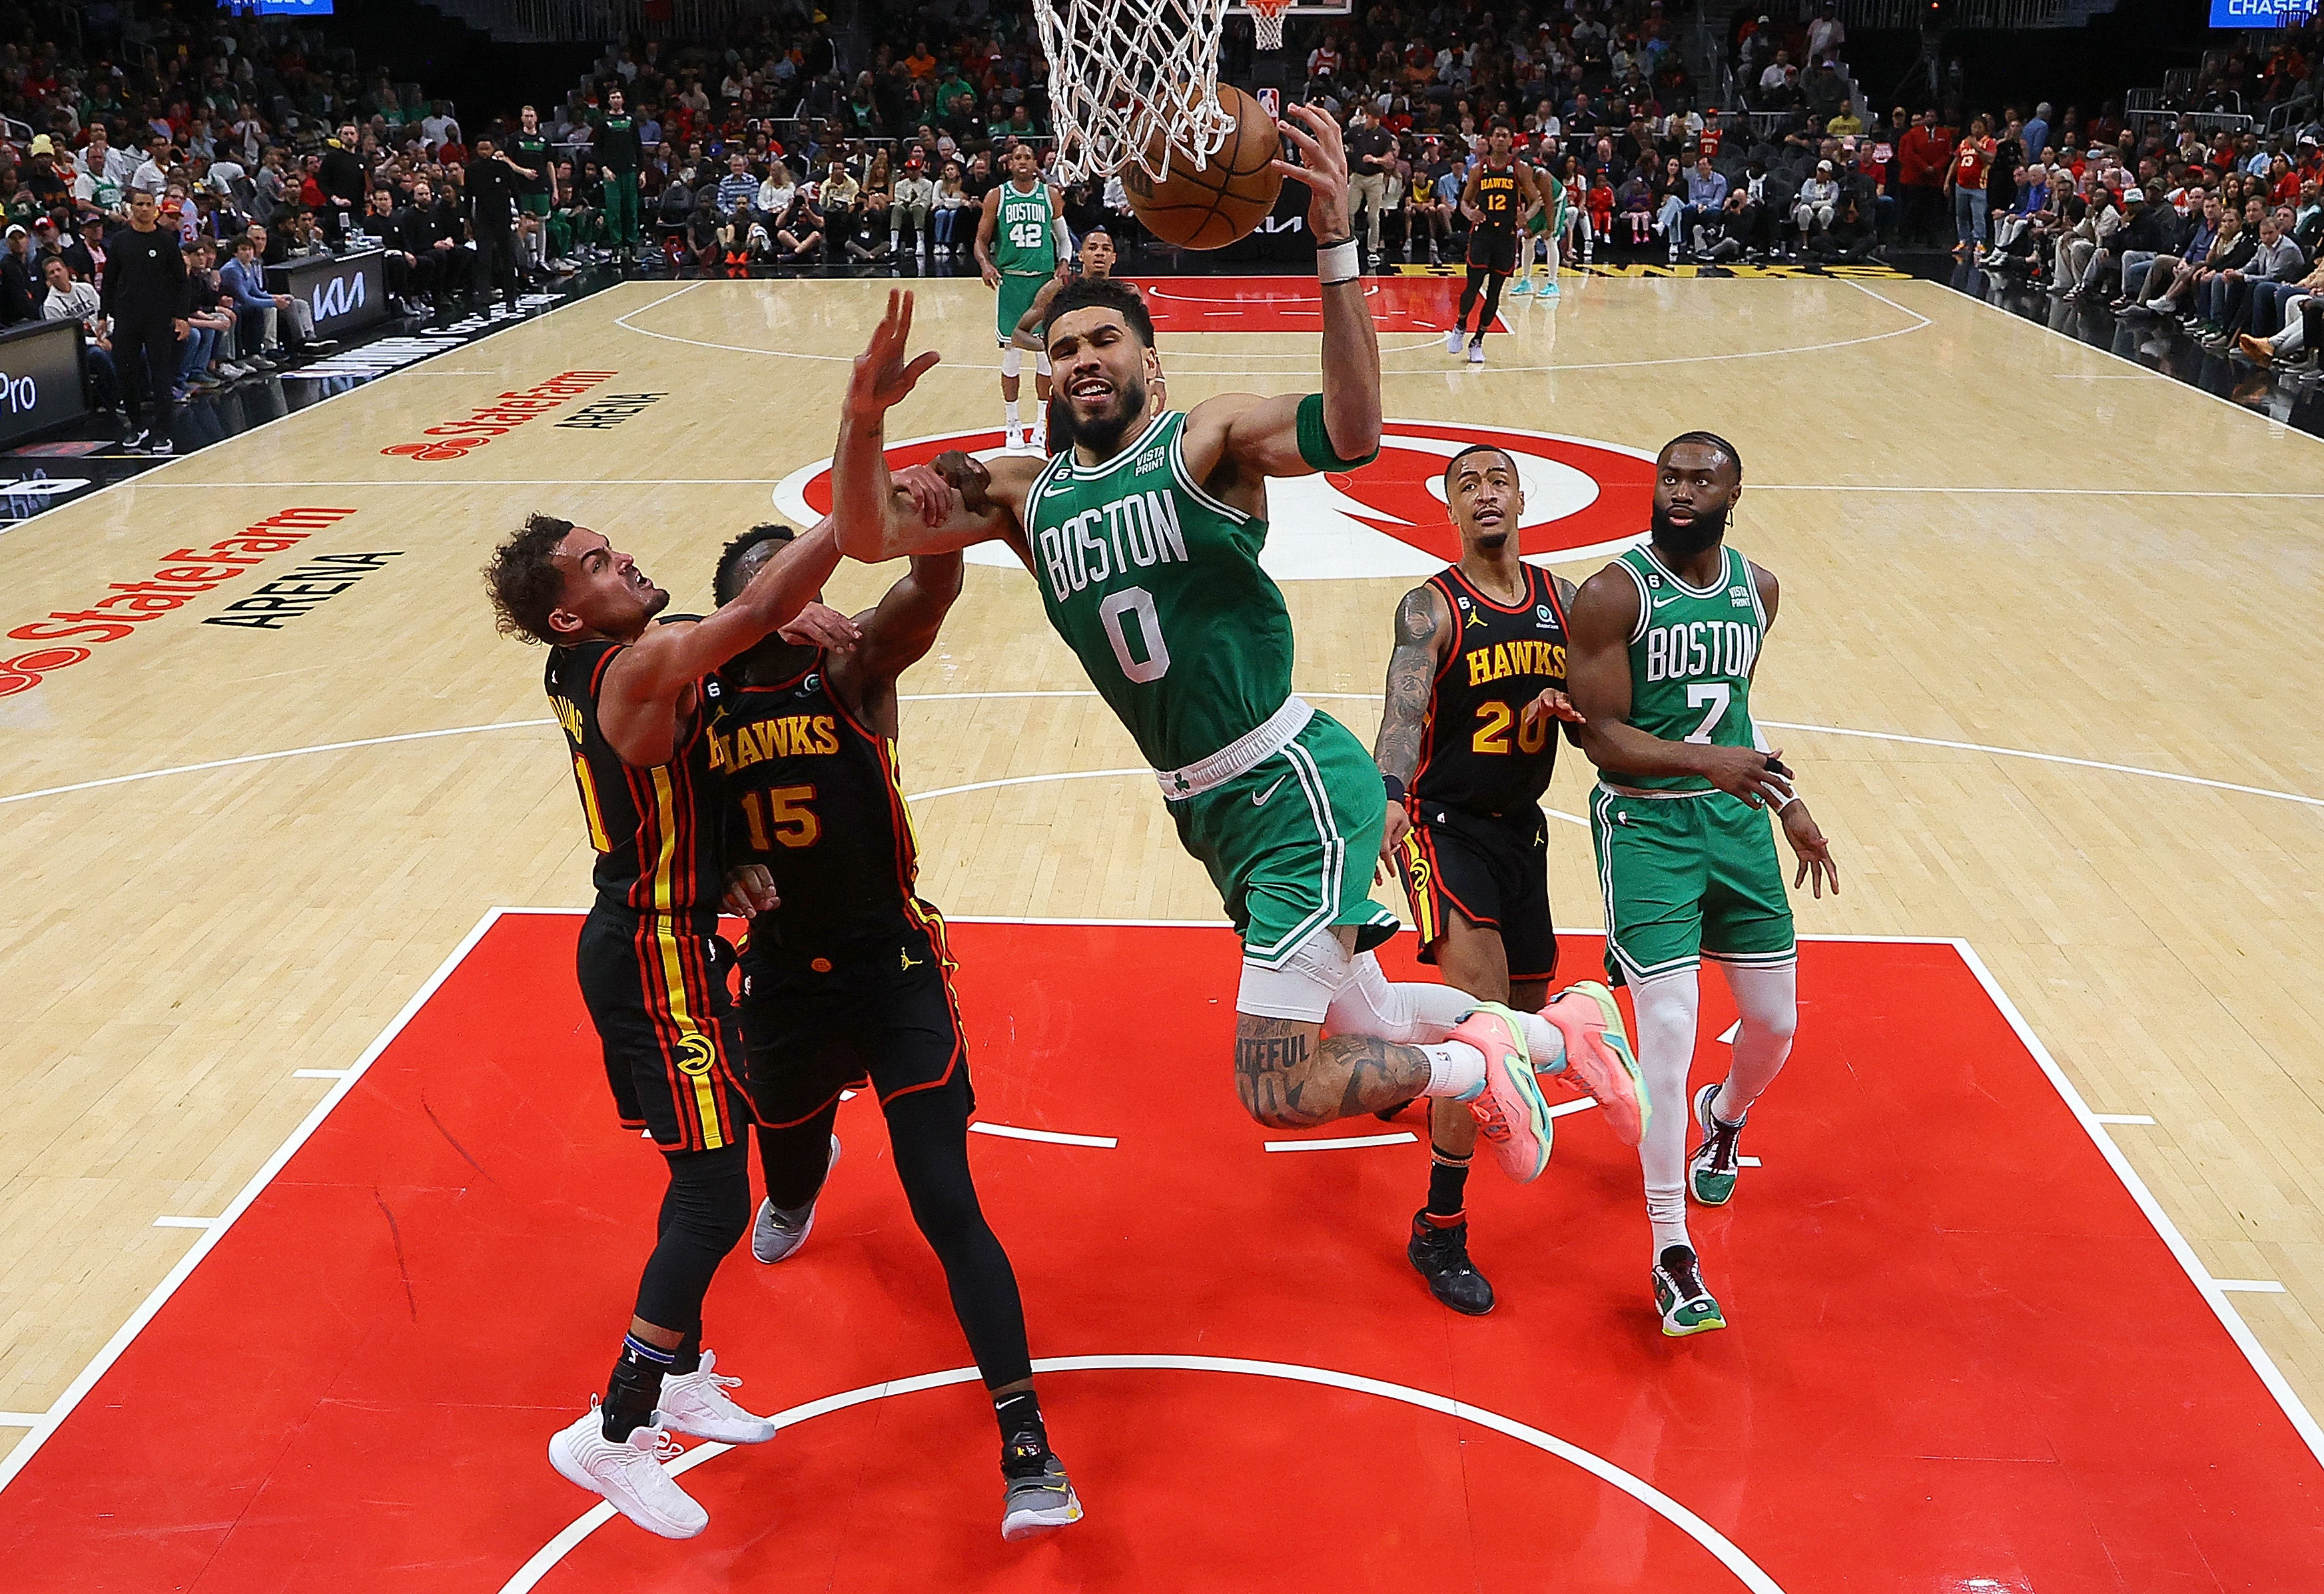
x: 2210, y: 1289
x: 1346, y: 1143
x: 1745, y: 1570
x: 166, y: 1222
x: 1009, y: 1131
x: 2135, y: 1118
x: 585, y: 484
x: 1749, y: 1162
x: 1586, y: 1103
x: 21, y: 1419
x: 50, y: 1420
x: 318, y: 1073
x: 260, y: 758
x: 2256, y: 1286
x: 2049, y: 757
x: 1733, y: 1030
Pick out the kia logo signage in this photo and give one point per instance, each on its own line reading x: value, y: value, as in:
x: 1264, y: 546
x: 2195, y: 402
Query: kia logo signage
x: 338, y: 297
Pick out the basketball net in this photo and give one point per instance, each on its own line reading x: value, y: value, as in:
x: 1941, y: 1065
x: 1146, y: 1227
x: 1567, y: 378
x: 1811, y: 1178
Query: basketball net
x: 1267, y: 21
x: 1133, y: 81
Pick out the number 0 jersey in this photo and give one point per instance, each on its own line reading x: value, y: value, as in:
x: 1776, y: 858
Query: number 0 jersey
x: 1691, y: 658
x: 655, y: 828
x: 811, y: 793
x: 1476, y: 754
x: 1156, y: 587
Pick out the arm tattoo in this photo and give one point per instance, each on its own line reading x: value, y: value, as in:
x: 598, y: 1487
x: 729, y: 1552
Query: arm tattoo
x: 1411, y: 678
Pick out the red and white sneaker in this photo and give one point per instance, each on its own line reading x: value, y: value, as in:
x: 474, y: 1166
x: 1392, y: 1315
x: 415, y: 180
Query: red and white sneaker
x: 629, y: 1473
x: 1599, y: 1061
x: 1511, y: 1113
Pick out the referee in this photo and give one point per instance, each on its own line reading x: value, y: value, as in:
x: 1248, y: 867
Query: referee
x: 149, y: 297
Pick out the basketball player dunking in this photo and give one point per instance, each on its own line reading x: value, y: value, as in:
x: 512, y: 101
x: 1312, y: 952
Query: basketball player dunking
x: 1144, y: 539
x: 1665, y: 641
x: 1497, y: 198
x: 628, y: 694
x: 1467, y: 744
x: 1016, y: 248
x: 846, y: 973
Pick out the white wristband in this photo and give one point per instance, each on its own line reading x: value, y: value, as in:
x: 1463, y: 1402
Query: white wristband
x: 1341, y: 262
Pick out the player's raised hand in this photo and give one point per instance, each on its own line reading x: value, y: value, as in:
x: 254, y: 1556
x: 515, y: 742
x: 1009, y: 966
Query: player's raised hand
x: 818, y: 625
x: 1555, y: 705
x: 1744, y: 772
x: 1323, y: 168
x: 1807, y: 839
x: 750, y: 891
x: 883, y: 376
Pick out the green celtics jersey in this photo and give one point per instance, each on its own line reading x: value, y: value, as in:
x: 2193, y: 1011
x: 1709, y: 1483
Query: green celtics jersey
x: 1021, y: 238
x: 1691, y: 658
x: 1156, y: 586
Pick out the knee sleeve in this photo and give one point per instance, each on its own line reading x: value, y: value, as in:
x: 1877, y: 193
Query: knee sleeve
x: 1303, y: 989
x: 1768, y: 1002
x: 1408, y: 1015
x: 705, y: 1214
x: 1041, y: 364
x: 1012, y: 360
x: 1666, y: 1039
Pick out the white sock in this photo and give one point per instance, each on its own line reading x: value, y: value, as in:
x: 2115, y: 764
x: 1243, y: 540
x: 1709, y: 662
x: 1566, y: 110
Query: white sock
x: 1769, y: 1003
x: 1010, y: 404
x: 1545, y: 1043
x: 1665, y: 1040
x: 1455, y: 1069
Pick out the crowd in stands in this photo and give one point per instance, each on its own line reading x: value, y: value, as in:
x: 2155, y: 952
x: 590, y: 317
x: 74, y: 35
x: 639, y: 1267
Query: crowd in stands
x: 245, y: 146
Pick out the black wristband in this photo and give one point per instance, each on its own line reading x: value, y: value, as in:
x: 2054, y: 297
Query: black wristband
x: 1394, y: 787
x: 1323, y: 244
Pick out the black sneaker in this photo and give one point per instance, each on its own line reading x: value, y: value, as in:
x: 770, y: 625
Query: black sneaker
x: 1441, y: 1255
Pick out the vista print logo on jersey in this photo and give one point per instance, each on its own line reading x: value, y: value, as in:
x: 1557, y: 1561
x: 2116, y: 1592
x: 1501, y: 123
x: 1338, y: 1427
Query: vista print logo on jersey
x: 1584, y: 499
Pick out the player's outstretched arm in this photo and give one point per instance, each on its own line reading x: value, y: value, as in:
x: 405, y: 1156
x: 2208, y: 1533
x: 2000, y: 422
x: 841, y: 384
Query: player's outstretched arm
x: 639, y: 707
x: 1604, y: 613
x: 1809, y: 843
x: 1423, y: 632
x: 897, y: 635
x: 1292, y: 435
x: 1027, y: 333
x: 988, y: 228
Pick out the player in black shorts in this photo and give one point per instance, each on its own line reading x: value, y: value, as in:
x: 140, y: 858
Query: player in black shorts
x: 845, y: 971
x: 1467, y: 742
x: 1498, y: 195
x: 630, y: 695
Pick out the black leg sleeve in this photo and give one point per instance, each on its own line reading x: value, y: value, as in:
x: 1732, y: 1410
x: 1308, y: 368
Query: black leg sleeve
x: 1477, y: 275
x: 705, y: 1212
x: 930, y: 1131
x: 795, y: 1159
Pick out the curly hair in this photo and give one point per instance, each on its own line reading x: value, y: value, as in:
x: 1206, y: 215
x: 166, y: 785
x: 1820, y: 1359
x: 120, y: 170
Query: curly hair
x: 1107, y: 293
x: 726, y: 583
x: 523, y: 581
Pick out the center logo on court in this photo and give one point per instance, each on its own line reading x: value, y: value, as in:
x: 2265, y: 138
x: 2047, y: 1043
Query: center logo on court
x: 1583, y: 499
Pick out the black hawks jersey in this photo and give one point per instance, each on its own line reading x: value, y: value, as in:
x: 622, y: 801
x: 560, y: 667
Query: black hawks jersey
x: 655, y: 828
x: 1496, y: 197
x: 1477, y: 754
x: 812, y: 795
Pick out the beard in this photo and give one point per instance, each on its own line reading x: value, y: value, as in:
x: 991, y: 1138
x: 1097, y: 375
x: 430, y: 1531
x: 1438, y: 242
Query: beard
x: 1492, y: 542
x: 1102, y: 434
x: 1684, y: 542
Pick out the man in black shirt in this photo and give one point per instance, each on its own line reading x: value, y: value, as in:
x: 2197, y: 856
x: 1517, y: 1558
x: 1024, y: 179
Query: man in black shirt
x: 1371, y: 155
x: 490, y: 200
x: 342, y: 183
x: 430, y: 234
x: 148, y: 296
x: 619, y: 155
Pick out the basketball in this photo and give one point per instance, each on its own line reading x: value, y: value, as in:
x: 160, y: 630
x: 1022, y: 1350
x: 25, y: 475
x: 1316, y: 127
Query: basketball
x: 1232, y: 193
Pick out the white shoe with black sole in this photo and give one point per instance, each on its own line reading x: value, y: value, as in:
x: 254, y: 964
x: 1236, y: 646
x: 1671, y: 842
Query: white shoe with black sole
x: 776, y: 1234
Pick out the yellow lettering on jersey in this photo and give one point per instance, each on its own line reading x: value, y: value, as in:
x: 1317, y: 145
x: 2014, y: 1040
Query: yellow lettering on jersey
x: 568, y: 714
x: 793, y: 736
x: 1481, y: 668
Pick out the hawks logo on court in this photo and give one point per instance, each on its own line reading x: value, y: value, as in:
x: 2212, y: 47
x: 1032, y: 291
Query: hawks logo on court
x: 1584, y: 499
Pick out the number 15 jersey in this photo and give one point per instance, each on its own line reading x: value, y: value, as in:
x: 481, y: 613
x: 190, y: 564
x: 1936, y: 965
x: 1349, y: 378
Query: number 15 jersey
x: 1156, y: 587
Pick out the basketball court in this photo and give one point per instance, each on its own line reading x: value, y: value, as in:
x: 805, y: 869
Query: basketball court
x: 317, y: 1218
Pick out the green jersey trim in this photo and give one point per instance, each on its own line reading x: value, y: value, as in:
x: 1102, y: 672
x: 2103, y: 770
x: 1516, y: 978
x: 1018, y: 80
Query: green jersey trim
x: 1072, y: 470
x: 1335, y: 856
x: 1195, y: 489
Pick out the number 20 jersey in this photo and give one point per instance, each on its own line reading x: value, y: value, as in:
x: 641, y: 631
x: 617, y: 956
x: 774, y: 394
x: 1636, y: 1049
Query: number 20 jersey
x: 1478, y: 755
x: 1156, y: 587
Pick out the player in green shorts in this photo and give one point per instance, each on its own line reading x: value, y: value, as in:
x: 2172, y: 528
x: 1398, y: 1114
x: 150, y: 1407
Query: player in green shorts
x: 1661, y: 646
x: 1143, y: 537
x: 1016, y: 247
x: 1544, y: 226
x: 528, y: 151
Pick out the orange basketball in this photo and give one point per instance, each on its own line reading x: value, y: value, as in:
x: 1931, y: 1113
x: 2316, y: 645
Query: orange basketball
x: 1232, y: 193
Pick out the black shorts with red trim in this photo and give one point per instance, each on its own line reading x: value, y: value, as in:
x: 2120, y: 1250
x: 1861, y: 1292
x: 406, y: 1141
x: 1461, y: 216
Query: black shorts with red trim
x: 1493, y: 249
x: 879, y: 1009
x: 655, y: 985
x: 1494, y: 873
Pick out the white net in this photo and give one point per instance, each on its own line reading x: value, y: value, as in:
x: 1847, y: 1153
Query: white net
x: 1267, y: 23
x: 1129, y: 80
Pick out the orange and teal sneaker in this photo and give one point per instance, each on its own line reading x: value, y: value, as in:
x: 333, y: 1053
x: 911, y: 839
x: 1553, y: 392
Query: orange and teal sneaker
x: 1599, y: 1061
x: 1511, y: 1113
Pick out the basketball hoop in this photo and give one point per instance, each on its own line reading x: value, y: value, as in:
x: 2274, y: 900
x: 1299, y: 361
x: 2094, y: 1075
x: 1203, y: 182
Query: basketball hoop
x: 1267, y: 21
x: 1132, y: 80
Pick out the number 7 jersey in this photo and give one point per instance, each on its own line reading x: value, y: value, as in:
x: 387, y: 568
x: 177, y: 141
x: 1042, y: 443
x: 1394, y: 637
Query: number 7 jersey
x: 1692, y: 653
x: 1156, y: 587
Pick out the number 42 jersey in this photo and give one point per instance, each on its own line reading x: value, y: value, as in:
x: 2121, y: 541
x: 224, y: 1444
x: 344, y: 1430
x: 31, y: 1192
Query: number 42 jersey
x: 1156, y: 587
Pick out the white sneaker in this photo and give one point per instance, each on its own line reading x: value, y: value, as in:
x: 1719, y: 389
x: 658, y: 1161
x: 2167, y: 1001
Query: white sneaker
x: 1037, y: 441
x: 1477, y: 353
x: 696, y: 1402
x: 776, y: 1234
x: 630, y: 1475
x: 1013, y: 440
x: 1453, y: 341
